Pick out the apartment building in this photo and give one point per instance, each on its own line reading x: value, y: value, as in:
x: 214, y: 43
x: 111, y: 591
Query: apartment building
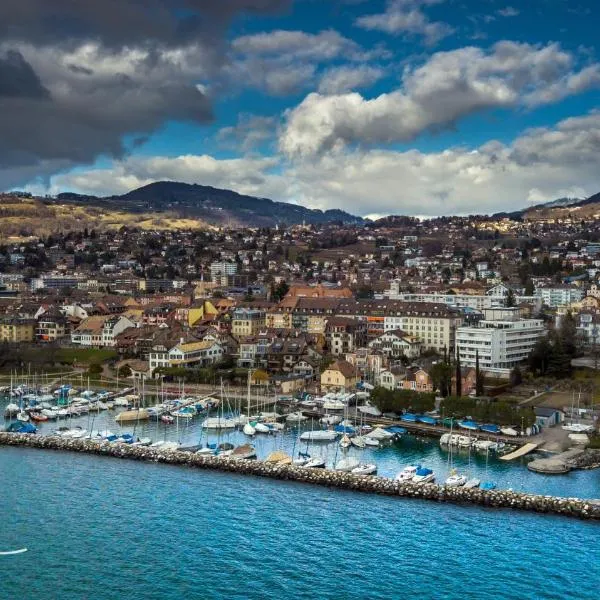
x: 247, y: 321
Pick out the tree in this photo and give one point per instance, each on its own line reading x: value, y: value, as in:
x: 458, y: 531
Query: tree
x: 278, y: 292
x: 478, y: 376
x: 568, y: 334
x: 510, y: 298
x: 529, y: 288
x: 125, y: 371
x: 458, y: 375
x: 441, y: 375
x: 516, y: 377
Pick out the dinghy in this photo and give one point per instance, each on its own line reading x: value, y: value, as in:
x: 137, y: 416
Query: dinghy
x: 365, y: 469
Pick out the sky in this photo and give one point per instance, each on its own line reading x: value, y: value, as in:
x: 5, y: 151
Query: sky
x: 377, y: 107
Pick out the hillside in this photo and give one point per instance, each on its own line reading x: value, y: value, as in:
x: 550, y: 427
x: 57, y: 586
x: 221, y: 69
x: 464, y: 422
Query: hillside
x: 213, y: 205
x: 560, y: 208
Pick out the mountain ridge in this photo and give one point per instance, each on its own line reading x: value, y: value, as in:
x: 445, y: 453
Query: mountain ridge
x: 216, y: 206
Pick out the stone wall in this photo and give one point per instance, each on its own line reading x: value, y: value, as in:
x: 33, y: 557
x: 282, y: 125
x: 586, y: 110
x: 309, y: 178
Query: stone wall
x: 379, y: 485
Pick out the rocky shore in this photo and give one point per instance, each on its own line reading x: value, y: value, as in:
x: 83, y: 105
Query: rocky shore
x: 572, y: 507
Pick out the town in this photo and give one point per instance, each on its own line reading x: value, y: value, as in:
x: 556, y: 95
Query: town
x: 460, y: 308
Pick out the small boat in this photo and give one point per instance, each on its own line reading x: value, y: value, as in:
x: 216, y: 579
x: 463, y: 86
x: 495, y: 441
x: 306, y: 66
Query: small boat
x: 318, y: 436
x: 365, y: 469
x: 244, y: 452
x: 263, y: 428
x: 219, y: 423
x: 489, y: 428
x: 145, y: 441
x: 409, y: 418
x: 509, y: 431
x: 345, y: 442
x: 407, y: 473
x: 359, y: 441
x: 127, y: 416
x: 380, y: 434
x: 424, y: 475
x: 23, y: 416
x: 225, y: 446
x: 206, y: 451
x: 347, y: 464
x: 396, y: 430
x: 169, y: 446
x: 485, y: 445
x: 295, y: 417
x: 249, y: 429
x: 577, y: 428
x: 455, y: 480
x: 427, y: 420
x: 368, y: 409
x: 345, y: 429
x: 472, y: 483
x: 301, y: 460
x: 331, y: 419
x: 38, y: 417
x: 463, y: 441
x: 333, y: 404
x: 11, y: 410
x: 76, y: 434
x: 471, y: 425
x: 315, y: 463
x: 369, y: 441
x: 48, y: 412
x: 187, y: 412
x: 279, y: 457
x: 488, y: 485
x: 167, y: 419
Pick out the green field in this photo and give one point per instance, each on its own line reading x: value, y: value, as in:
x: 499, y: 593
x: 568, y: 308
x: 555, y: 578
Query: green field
x: 85, y: 355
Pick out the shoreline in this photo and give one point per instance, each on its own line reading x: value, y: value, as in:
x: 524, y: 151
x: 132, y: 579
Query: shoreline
x: 571, y: 507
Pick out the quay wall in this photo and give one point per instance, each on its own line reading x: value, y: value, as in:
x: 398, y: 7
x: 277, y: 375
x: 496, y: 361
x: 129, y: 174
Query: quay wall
x: 571, y: 507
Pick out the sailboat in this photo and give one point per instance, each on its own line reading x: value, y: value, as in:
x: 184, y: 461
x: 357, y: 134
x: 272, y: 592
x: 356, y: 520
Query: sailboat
x: 455, y: 479
x: 249, y: 428
x: 472, y: 482
x: 487, y: 485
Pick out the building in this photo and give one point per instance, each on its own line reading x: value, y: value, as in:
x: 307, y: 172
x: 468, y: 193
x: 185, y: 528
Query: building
x: 548, y: 417
x: 195, y: 354
x: 52, y: 325
x: 318, y: 291
x: 15, y: 330
x: 502, y: 340
x: 54, y: 282
x: 345, y: 335
x: 219, y: 272
x: 559, y: 295
x: 100, y: 331
x: 247, y: 321
x: 339, y: 376
x: 396, y: 344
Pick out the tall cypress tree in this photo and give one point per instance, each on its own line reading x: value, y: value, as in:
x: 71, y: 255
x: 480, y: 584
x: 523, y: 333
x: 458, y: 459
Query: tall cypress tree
x: 458, y: 375
x: 478, y: 377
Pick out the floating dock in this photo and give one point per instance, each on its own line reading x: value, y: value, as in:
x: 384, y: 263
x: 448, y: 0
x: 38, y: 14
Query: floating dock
x: 522, y: 451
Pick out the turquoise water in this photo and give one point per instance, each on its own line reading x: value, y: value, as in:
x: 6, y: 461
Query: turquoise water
x: 390, y: 458
x: 103, y: 528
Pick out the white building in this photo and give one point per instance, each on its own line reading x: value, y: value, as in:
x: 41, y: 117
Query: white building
x: 559, y: 295
x: 187, y: 354
x: 219, y: 271
x: 502, y: 339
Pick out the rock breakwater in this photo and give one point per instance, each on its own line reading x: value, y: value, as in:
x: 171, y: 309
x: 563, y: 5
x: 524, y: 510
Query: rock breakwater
x: 572, y: 507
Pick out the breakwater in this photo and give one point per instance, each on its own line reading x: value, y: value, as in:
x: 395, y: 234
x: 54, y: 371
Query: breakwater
x: 572, y: 507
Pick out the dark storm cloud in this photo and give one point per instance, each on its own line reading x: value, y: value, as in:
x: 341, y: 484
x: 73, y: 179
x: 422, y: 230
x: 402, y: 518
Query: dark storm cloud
x: 18, y: 79
x: 78, y: 75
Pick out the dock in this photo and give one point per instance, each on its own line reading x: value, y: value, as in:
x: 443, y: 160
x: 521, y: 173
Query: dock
x: 522, y: 451
x: 555, y: 465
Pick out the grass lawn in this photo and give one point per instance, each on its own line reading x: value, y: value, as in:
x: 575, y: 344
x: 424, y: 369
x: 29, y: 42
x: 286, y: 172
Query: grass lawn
x: 85, y: 355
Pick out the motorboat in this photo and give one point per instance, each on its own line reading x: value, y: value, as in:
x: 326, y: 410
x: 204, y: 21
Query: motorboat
x: 509, y: 431
x: 263, y: 428
x: 318, y: 435
x: 407, y: 473
x: 369, y: 409
x: 301, y: 460
x: 333, y: 404
x: 396, y: 430
x: 167, y: 419
x: 427, y: 420
x: 365, y: 469
x: 295, y: 417
x: 316, y: 462
x: 455, y: 479
x: 38, y: 417
x: 489, y: 428
x: 488, y: 485
x: 359, y: 441
x: 472, y: 483
x: 279, y: 457
x: 206, y: 451
x: 345, y: 428
x: 424, y: 475
x: 244, y: 452
x: 369, y: 441
x: 219, y: 423
x: 11, y: 410
x: 187, y: 412
x: 466, y: 424
x: 380, y: 434
x: 578, y: 428
x: 331, y: 419
x: 347, y: 464
x: 485, y: 445
x: 23, y: 416
x: 409, y: 418
x: 249, y: 429
x: 464, y: 441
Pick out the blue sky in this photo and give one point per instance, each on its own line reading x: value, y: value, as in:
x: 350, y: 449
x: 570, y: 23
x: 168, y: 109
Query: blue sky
x: 376, y: 106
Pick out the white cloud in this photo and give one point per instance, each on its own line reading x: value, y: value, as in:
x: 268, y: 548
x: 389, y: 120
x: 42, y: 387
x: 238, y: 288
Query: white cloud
x: 508, y: 11
x: 541, y: 164
x: 449, y: 86
x: 249, y: 132
x: 348, y: 77
x: 406, y: 17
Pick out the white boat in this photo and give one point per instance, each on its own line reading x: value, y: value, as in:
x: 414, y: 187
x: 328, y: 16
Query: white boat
x: 472, y: 483
x: 333, y: 404
x: 11, y: 409
x: 249, y: 429
x: 368, y: 409
x: 51, y: 414
x: 74, y: 434
x: 315, y: 463
x: 485, y: 445
x: 424, y: 475
x: 219, y: 423
x: 301, y: 461
x: 262, y: 428
x: 318, y: 435
x: 169, y: 446
x: 145, y: 441
x: 295, y: 417
x: 123, y: 401
x: 331, y: 419
x: 23, y: 416
x: 206, y: 451
x: 244, y: 452
x: 359, y: 441
x: 464, y: 441
x: 345, y: 442
x: 509, y: 431
x: 369, y: 441
x: 365, y: 469
x: 455, y: 480
x: 407, y: 473
x: 347, y: 464
x: 380, y: 434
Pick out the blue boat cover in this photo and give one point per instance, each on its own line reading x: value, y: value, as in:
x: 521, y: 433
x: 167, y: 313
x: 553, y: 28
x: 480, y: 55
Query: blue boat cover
x: 409, y: 417
x: 395, y: 429
x: 426, y: 419
x: 345, y: 429
x: 468, y: 425
x: 490, y: 428
x: 423, y: 471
